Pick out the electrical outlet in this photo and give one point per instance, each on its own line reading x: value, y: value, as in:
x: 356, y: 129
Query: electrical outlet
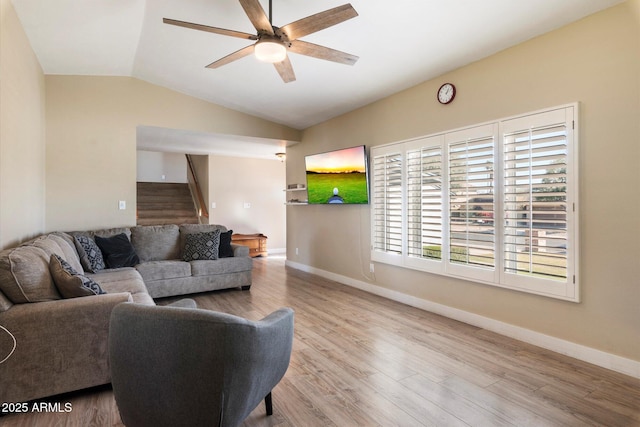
x: 297, y: 252
x: 371, y: 268
x: 213, y: 205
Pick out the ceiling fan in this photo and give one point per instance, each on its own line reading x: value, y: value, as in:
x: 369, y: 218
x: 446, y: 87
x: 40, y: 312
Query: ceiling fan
x: 272, y: 43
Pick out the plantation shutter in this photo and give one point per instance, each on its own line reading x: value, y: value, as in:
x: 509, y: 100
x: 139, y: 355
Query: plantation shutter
x: 387, y: 204
x: 537, y: 199
x: 494, y: 203
x: 425, y: 199
x: 471, y: 197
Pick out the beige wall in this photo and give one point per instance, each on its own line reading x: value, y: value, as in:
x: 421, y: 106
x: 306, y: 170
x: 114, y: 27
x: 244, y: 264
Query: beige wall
x: 154, y: 166
x: 91, y: 142
x: 595, y: 61
x: 22, y: 134
x: 234, y: 181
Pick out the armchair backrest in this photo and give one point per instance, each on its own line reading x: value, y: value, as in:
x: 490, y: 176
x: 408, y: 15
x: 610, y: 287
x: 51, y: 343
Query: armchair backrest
x: 182, y: 366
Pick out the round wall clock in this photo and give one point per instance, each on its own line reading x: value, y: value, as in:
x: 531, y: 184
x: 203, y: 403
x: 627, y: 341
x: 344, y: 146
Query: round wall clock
x: 446, y: 93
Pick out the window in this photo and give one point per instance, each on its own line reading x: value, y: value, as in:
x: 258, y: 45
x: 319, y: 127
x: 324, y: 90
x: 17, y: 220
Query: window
x: 471, y: 162
x: 387, y: 208
x: 493, y: 203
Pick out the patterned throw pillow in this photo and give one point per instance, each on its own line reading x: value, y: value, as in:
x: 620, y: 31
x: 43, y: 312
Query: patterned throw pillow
x: 90, y: 254
x: 69, y: 282
x: 201, y: 246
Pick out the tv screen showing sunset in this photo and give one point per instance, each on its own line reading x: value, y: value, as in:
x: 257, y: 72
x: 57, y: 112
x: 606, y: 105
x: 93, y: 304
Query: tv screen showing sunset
x: 338, y: 177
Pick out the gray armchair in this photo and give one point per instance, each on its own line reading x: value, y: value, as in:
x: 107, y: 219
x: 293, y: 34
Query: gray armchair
x: 180, y: 366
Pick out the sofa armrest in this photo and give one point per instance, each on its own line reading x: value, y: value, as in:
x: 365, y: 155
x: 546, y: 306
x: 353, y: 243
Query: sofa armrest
x: 240, y: 250
x: 61, y: 346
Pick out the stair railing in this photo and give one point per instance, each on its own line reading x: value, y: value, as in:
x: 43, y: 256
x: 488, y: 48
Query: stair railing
x: 195, y: 188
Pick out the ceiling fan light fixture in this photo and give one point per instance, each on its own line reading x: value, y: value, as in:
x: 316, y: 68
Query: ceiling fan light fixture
x: 270, y: 50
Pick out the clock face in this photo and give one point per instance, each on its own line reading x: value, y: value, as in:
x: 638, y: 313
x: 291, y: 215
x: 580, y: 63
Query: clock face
x: 446, y: 93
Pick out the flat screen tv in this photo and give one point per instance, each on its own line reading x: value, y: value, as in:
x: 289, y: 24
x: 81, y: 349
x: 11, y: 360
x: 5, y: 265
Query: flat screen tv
x: 338, y: 177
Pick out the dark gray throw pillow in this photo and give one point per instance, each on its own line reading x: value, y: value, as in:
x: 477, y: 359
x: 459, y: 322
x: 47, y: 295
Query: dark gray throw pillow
x: 202, y: 246
x: 118, y: 251
x: 225, y: 250
x: 89, y: 253
x: 69, y: 282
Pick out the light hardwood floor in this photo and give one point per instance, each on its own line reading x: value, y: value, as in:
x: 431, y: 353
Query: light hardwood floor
x: 361, y: 360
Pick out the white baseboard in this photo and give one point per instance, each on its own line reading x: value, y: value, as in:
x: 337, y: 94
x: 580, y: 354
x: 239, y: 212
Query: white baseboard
x: 587, y: 354
x: 276, y: 251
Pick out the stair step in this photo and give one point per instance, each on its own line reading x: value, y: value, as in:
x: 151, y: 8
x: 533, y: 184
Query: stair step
x: 160, y: 203
x: 164, y: 192
x: 165, y: 185
x: 165, y: 201
x: 161, y: 193
x: 165, y: 213
x: 173, y: 204
x: 165, y: 221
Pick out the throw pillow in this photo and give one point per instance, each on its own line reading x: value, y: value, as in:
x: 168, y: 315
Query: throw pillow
x: 89, y: 253
x: 69, y: 282
x: 225, y: 250
x: 118, y: 251
x: 202, y: 246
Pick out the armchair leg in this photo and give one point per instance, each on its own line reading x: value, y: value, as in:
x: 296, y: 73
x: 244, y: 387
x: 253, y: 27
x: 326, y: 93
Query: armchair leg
x: 268, y: 404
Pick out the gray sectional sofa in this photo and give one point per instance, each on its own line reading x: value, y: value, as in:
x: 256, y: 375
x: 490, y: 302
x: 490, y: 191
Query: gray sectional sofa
x: 50, y: 344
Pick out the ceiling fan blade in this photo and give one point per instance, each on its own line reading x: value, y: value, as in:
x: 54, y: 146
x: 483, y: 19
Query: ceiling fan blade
x: 321, y: 52
x: 245, y: 51
x: 319, y: 21
x: 257, y: 16
x: 209, y: 29
x: 285, y: 70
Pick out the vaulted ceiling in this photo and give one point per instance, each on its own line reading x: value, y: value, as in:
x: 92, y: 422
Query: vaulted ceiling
x: 400, y: 43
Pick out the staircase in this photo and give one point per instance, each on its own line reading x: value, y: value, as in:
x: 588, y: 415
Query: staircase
x: 165, y: 203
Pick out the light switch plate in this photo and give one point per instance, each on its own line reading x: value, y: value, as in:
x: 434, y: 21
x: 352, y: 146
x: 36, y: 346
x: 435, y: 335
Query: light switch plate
x: 122, y: 205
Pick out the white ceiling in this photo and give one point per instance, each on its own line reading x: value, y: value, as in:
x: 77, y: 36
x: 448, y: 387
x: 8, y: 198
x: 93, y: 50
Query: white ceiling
x: 152, y: 138
x: 400, y: 44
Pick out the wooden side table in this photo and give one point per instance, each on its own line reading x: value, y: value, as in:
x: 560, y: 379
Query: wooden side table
x: 257, y: 243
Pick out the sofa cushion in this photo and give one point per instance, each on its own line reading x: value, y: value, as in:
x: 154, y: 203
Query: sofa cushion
x: 159, y: 270
x: 124, y: 279
x: 69, y: 250
x: 46, y: 244
x: 24, y: 275
x: 66, y: 237
x: 240, y: 250
x: 220, y: 266
x: 108, y: 276
x: 69, y: 282
x: 5, y: 304
x: 55, y: 244
x: 108, y: 232
x: 156, y: 242
x: 225, y: 250
x: 117, y: 251
x: 89, y: 253
x: 202, y: 246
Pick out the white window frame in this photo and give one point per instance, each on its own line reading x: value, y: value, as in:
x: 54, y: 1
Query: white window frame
x: 497, y: 276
